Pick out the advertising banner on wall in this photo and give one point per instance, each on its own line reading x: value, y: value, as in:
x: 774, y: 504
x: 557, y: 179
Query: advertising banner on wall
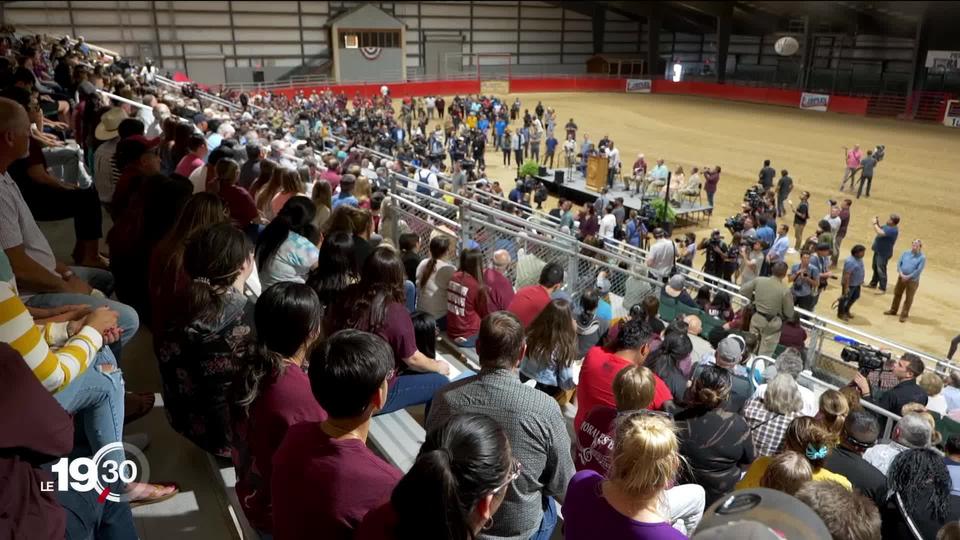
x: 814, y: 102
x: 943, y: 60
x: 642, y: 86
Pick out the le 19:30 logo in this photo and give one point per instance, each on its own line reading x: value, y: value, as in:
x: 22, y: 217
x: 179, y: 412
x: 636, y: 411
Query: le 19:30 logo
x: 114, y: 465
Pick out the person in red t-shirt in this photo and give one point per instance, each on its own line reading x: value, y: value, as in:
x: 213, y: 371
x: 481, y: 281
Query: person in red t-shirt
x: 467, y: 299
x: 324, y: 476
x: 242, y: 208
x: 274, y: 393
x: 193, y: 160
x: 530, y: 301
x: 634, y: 388
x: 601, y: 367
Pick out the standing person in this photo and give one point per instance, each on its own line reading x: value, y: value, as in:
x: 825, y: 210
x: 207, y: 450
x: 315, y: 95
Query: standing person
x: 536, y: 135
x: 867, y: 165
x: 883, y: 250
x: 571, y: 129
x: 551, y: 150
x: 852, y: 158
x: 710, y: 180
x: 773, y: 303
x: 801, y: 214
x: 766, y: 176
x: 805, y: 278
x: 608, y: 225
x: 319, y: 465
x: 505, y: 143
x: 532, y: 420
x: 844, y: 216
x: 778, y: 250
x: 909, y: 268
x: 853, y: 274
x: 662, y: 255
x: 613, y: 163
x: 784, y: 187
x: 516, y: 146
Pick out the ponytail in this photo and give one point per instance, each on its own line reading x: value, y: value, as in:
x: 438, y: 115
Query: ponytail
x: 439, y: 247
x: 296, y: 216
x: 213, y: 260
x: 461, y: 462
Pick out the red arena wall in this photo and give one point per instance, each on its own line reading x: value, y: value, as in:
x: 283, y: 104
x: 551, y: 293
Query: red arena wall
x: 752, y: 94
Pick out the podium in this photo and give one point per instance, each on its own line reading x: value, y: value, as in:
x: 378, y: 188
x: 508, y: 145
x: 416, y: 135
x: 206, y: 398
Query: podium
x: 597, y: 172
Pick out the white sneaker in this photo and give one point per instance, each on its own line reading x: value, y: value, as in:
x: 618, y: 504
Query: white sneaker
x: 791, y: 251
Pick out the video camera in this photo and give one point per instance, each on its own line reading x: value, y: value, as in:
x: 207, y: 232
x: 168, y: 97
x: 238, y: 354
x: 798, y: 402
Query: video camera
x: 734, y: 224
x: 866, y: 357
x: 754, y: 197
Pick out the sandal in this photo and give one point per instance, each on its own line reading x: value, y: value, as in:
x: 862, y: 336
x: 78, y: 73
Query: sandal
x: 137, y: 405
x: 153, y: 493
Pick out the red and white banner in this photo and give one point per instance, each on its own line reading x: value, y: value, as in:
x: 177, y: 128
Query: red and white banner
x: 371, y: 53
x: 814, y: 102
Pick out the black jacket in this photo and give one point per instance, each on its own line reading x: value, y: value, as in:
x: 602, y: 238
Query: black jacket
x: 906, y: 392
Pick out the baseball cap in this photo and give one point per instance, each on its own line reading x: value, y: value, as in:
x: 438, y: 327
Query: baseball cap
x: 760, y: 513
x: 676, y: 282
x: 109, y: 123
x: 730, y: 348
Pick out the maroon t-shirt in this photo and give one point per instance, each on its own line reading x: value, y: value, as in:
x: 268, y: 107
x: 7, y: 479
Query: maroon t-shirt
x: 243, y: 210
x: 397, y: 330
x: 379, y: 524
x: 594, y: 441
x: 528, y: 303
x: 500, y: 288
x: 332, y: 178
x: 464, y: 308
x: 286, y: 402
x: 323, y: 487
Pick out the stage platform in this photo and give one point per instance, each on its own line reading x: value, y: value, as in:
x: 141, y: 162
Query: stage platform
x: 575, y: 188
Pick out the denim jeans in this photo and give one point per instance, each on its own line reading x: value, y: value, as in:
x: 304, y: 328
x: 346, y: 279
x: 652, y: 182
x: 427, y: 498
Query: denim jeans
x: 846, y: 302
x: 710, y: 195
x: 88, y: 519
x: 879, y: 278
x: 413, y: 389
x: 95, y: 399
x: 410, y: 290
x: 549, y: 521
x: 101, y: 280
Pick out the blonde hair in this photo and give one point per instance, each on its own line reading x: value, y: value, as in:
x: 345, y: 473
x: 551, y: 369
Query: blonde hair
x: 931, y: 383
x: 853, y: 398
x: 786, y: 472
x: 633, y: 388
x: 833, y: 411
x: 783, y: 395
x: 646, y: 455
x: 361, y: 189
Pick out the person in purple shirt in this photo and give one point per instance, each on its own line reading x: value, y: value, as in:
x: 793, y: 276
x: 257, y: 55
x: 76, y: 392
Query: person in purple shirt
x: 627, y: 504
x: 909, y: 268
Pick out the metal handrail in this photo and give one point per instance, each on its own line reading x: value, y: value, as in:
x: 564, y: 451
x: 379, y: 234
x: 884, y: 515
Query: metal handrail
x: 124, y: 100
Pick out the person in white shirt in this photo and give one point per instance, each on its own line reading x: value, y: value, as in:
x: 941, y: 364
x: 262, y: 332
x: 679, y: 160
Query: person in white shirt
x: 932, y: 384
x: 608, y: 224
x: 662, y: 255
x: 791, y: 363
x: 429, y: 177
x: 613, y: 163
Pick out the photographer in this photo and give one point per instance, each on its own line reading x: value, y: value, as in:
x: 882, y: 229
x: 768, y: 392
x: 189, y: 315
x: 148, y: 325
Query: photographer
x: 906, y: 370
x: 715, y: 250
x: 687, y: 249
x: 806, y: 279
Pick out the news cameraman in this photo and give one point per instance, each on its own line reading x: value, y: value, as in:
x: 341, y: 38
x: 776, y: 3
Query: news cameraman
x: 715, y: 250
x: 906, y: 371
x: 806, y: 279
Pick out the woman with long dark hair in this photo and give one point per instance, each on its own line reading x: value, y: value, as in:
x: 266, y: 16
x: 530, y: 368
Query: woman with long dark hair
x: 665, y: 362
x: 715, y: 443
x: 468, y: 300
x: 167, y: 277
x: 551, y: 349
x: 207, y: 340
x: 433, y: 276
x: 287, y: 249
x: 336, y: 269
x: 243, y: 211
x: 322, y: 196
x: 920, y: 485
x: 272, y: 392
x: 455, y: 487
x: 267, y: 169
x: 375, y: 304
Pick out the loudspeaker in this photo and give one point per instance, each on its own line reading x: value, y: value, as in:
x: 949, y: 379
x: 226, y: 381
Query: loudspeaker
x: 543, y: 171
x: 258, y: 76
x: 558, y: 177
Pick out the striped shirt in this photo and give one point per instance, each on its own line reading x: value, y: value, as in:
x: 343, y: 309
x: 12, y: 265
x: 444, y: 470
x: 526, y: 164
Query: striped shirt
x: 55, y: 369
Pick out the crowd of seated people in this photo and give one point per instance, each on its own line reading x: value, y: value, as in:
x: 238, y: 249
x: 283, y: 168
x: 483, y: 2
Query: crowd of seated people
x: 285, y: 320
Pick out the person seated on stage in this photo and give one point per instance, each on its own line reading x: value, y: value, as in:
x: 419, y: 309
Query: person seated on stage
x: 658, y: 176
x: 677, y: 181
x: 692, y: 186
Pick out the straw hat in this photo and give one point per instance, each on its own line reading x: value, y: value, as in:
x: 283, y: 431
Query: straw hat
x: 109, y: 123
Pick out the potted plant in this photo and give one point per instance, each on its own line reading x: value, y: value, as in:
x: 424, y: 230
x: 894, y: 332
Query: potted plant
x: 529, y: 168
x: 665, y: 214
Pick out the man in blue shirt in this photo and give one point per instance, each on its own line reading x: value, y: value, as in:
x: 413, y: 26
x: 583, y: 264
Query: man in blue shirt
x: 806, y: 279
x: 778, y: 251
x: 499, y: 127
x: 883, y: 250
x: 853, y: 274
x: 551, y: 151
x: 909, y: 269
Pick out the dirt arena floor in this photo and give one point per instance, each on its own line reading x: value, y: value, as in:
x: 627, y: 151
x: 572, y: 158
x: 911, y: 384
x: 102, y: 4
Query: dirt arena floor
x: 913, y: 180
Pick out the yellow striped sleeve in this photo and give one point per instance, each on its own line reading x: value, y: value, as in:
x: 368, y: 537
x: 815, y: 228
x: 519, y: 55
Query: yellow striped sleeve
x: 55, y: 369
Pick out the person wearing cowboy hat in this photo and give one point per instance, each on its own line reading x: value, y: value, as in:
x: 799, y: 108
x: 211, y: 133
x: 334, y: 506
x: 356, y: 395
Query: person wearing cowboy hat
x: 107, y: 134
x: 909, y: 268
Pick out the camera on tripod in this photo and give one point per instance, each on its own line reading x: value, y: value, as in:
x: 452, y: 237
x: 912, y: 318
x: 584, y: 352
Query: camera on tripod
x: 754, y: 197
x: 734, y: 224
x: 866, y: 357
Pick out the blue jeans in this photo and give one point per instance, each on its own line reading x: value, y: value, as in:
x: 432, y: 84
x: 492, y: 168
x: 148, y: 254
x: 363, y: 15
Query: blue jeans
x: 549, y: 521
x: 87, y: 518
x: 410, y: 290
x: 853, y: 293
x: 879, y: 278
x: 101, y: 280
x: 467, y: 342
x: 413, y: 389
x: 95, y: 399
x: 710, y: 195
